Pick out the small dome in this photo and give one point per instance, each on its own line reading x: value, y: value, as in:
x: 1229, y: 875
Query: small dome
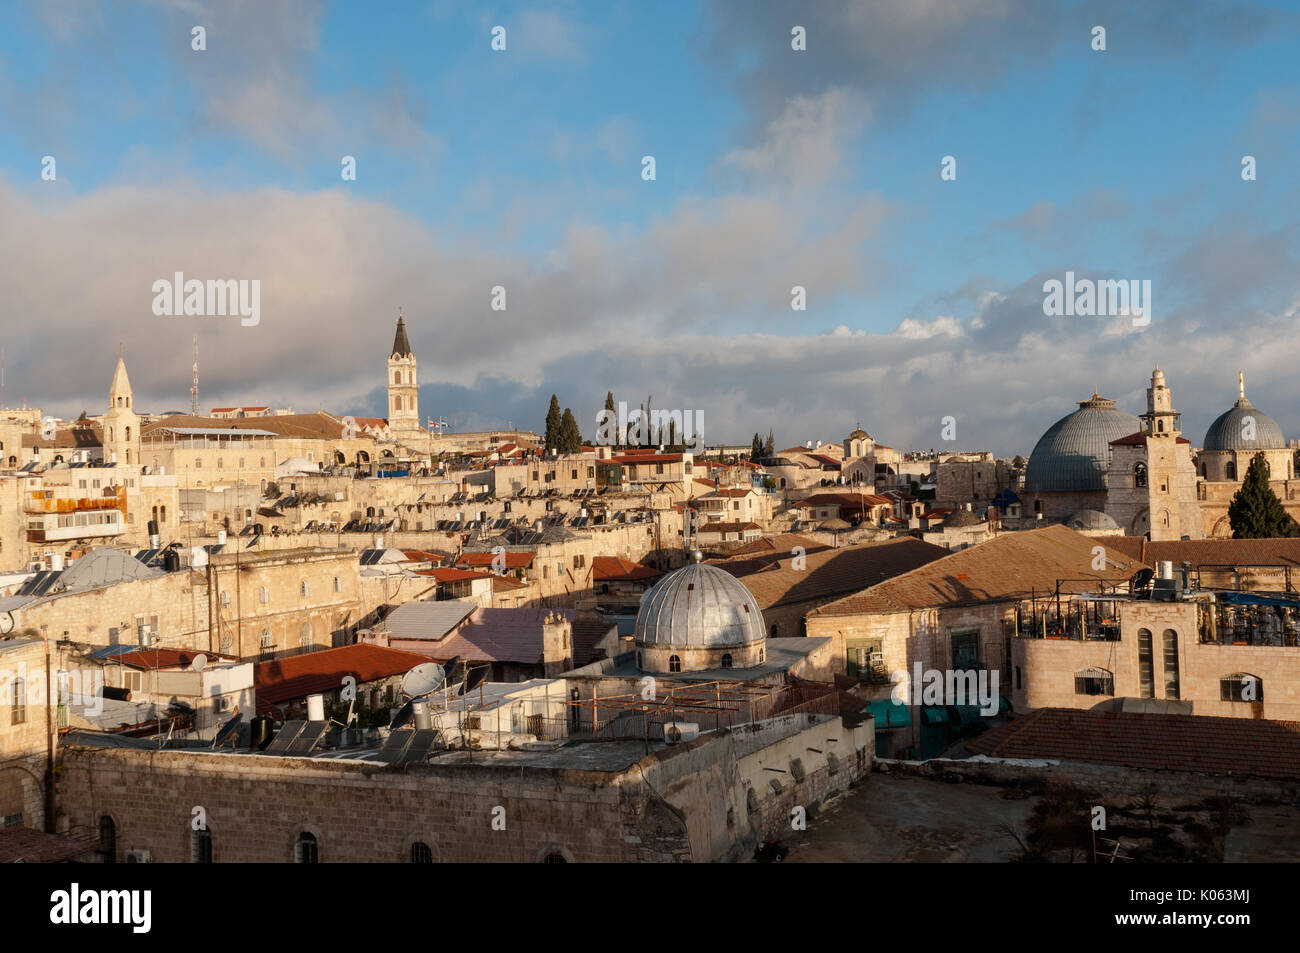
x: 699, y: 606
x: 1090, y: 520
x: 859, y: 434
x: 1075, y: 451
x: 960, y: 518
x: 835, y: 524
x: 1226, y: 433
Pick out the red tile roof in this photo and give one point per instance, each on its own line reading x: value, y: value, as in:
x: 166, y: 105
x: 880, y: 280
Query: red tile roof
x: 827, y: 573
x: 1138, y: 439
x: 36, y: 847
x: 845, y: 499
x: 450, y: 574
x: 616, y: 569
x: 1210, y: 552
x: 1003, y: 568
x: 1142, y: 740
x: 297, y: 676
x: 150, y: 659
x: 513, y: 560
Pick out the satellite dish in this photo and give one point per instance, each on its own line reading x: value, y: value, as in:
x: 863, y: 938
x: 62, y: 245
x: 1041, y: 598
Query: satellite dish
x: 403, y: 716
x: 228, y: 730
x: 423, y: 679
x: 200, y: 661
x: 476, y: 677
x: 450, y: 665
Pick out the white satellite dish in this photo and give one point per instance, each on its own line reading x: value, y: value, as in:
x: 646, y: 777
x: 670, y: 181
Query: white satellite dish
x: 199, y: 662
x: 424, y: 679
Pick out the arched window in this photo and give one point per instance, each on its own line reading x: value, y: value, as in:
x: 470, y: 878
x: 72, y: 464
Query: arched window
x: 1140, y: 474
x: 1230, y: 470
x: 264, y: 595
x: 107, y: 839
x: 1171, y: 663
x: 1094, y: 681
x: 303, y: 589
x: 305, y: 850
x: 674, y: 663
x: 1146, y: 673
x: 554, y: 857
x: 305, y: 638
x: 338, y: 584
x: 201, y: 847
x: 726, y: 660
x: 1241, y: 687
x: 162, y: 510
x: 397, y: 377
x: 421, y: 853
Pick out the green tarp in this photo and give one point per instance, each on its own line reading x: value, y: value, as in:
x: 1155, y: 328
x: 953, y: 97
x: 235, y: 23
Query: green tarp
x: 889, y: 715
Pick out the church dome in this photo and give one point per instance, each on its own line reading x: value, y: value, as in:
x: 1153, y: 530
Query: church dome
x: 1085, y: 520
x: 1075, y: 451
x: 959, y: 518
x: 699, y: 606
x: 1226, y: 433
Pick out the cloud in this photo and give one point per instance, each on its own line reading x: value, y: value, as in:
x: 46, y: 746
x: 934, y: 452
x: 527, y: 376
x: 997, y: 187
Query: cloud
x: 804, y: 145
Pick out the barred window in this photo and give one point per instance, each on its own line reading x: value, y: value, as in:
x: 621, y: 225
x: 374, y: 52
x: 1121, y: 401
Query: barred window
x: 1240, y: 687
x: 1094, y: 681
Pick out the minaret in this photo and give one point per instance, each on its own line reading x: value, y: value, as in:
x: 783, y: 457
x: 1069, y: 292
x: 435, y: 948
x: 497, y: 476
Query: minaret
x: 1161, y: 418
x: 121, y: 437
x: 403, y: 386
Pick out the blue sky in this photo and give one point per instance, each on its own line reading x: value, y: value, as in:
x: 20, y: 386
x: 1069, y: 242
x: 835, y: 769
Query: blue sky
x: 774, y: 168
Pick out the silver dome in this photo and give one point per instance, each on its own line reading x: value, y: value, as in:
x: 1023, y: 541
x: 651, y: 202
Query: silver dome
x: 1226, y: 432
x: 1075, y: 451
x: 699, y: 606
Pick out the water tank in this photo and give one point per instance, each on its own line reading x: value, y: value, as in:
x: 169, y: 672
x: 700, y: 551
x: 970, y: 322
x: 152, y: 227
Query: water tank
x: 420, y: 710
x: 259, y: 732
x: 1166, y: 567
x: 153, y: 528
x: 172, y: 561
x: 56, y: 561
x: 315, y: 707
x: 221, y: 537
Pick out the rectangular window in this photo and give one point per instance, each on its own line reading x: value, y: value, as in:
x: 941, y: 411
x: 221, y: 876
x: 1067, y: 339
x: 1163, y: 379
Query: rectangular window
x: 965, y: 650
x: 1241, y: 688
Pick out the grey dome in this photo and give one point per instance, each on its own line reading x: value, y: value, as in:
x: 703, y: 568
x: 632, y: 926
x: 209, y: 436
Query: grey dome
x: 1090, y: 519
x: 1075, y: 451
x: 699, y: 606
x: 1226, y: 432
x: 959, y: 518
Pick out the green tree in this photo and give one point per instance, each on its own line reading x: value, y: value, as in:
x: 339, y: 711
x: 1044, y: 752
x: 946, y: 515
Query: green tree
x: 570, y: 440
x: 769, y: 448
x: 553, y: 424
x: 756, y: 450
x: 1256, y: 512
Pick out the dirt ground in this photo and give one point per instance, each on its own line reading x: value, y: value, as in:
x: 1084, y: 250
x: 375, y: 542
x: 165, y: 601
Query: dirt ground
x: 890, y: 818
x: 887, y: 818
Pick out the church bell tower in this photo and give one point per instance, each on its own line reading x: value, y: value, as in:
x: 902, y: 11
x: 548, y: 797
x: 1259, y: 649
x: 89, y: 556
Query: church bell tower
x: 403, y: 387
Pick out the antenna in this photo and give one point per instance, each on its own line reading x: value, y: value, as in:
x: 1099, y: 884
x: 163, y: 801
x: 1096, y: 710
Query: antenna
x: 194, y: 389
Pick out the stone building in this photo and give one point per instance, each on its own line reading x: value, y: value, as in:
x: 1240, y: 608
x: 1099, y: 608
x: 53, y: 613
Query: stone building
x: 1067, y: 468
x: 1151, y: 479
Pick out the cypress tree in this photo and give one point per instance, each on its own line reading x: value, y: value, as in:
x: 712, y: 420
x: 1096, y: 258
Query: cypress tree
x: 553, y: 424
x: 756, y: 450
x: 1256, y: 512
x: 570, y: 440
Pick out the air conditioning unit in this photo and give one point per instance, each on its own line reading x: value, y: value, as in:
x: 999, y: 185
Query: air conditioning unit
x: 139, y: 857
x: 225, y: 703
x: 679, y: 731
